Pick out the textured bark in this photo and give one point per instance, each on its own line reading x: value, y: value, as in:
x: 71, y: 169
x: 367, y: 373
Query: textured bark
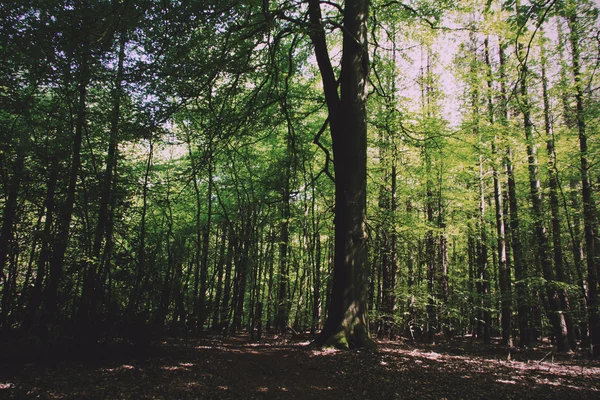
x: 553, y: 183
x: 346, y: 325
x: 91, y: 288
x: 430, y: 252
x: 481, y: 278
x: 503, y: 270
x: 132, y: 307
x: 32, y: 313
x: 50, y: 303
x: 589, y: 207
x: 515, y: 234
x: 316, y: 305
x: 202, y: 311
x: 225, y: 305
x: 219, y: 272
x: 242, y: 264
x: 283, y: 302
x: 6, y: 231
x: 483, y: 285
x: 553, y: 305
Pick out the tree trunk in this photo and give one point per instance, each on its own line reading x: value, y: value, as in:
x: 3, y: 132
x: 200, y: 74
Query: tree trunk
x: 555, y: 314
x: 589, y: 207
x: 481, y: 278
x: 225, y: 305
x: 346, y: 324
x: 483, y: 285
x: 90, y: 291
x: 554, y: 209
x: 430, y: 251
x: 503, y: 270
x: 283, y: 302
x: 32, y: 314
x: 50, y: 303
x: 515, y: 234
x: 219, y: 271
x: 242, y: 265
x: 202, y: 309
x: 6, y: 232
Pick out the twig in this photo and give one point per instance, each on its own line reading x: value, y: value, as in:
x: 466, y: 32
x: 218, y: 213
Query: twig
x: 546, y: 356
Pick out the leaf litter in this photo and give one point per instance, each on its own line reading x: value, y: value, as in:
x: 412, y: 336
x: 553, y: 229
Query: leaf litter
x: 234, y: 367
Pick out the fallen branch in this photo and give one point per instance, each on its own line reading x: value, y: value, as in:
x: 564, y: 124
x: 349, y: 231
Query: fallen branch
x: 546, y: 356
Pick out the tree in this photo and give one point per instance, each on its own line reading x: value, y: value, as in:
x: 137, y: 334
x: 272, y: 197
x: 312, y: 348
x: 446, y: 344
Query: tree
x: 346, y: 324
x: 589, y: 207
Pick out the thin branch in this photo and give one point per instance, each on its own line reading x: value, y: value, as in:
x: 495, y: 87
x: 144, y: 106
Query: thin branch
x: 328, y: 158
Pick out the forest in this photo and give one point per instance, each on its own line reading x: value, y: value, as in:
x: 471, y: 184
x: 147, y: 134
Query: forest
x: 350, y: 172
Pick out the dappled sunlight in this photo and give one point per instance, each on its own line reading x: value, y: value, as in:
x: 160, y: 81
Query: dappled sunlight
x: 507, y: 381
x: 179, y: 367
x: 170, y: 368
x: 236, y: 367
x: 322, y: 389
x: 325, y: 351
x: 124, y: 367
x: 541, y: 373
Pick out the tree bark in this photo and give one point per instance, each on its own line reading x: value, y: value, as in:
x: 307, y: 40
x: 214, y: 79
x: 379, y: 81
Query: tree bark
x: 563, y: 301
x: 202, y: 309
x: 515, y: 234
x: 589, y: 207
x: 90, y: 291
x: 553, y: 305
x: 346, y: 324
x: 6, y: 232
x: 503, y: 270
x: 50, y: 303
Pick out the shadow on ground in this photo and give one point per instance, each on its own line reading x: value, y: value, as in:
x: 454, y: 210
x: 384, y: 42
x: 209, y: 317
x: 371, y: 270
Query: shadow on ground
x: 235, y: 368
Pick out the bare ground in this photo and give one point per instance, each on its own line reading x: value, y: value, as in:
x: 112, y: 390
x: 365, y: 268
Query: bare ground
x: 214, y: 367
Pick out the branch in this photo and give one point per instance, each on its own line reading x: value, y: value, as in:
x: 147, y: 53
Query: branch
x: 325, y: 150
x: 317, y: 36
x: 419, y: 15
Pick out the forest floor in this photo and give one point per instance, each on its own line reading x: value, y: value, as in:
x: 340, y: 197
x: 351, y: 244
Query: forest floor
x: 215, y: 367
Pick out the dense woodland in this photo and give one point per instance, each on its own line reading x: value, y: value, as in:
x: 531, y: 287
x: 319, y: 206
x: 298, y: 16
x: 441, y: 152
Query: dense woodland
x: 423, y: 169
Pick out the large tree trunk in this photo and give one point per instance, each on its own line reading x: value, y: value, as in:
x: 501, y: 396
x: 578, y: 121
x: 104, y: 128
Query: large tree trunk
x: 242, y: 266
x: 589, y: 207
x: 6, y: 232
x: 346, y: 325
x: 554, y: 209
x: 503, y: 269
x: 515, y: 234
x: 225, y: 305
x: 63, y: 223
x: 202, y: 306
x: 430, y: 250
x: 91, y: 290
x: 219, y: 272
x: 33, y: 306
x: 283, y: 301
x: 553, y: 305
x: 141, y: 273
x: 483, y: 285
x: 481, y: 277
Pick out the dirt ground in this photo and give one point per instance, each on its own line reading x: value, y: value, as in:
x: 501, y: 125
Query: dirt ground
x: 214, y: 367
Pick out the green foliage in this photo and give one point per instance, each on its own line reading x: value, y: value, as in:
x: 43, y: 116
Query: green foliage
x: 216, y: 116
